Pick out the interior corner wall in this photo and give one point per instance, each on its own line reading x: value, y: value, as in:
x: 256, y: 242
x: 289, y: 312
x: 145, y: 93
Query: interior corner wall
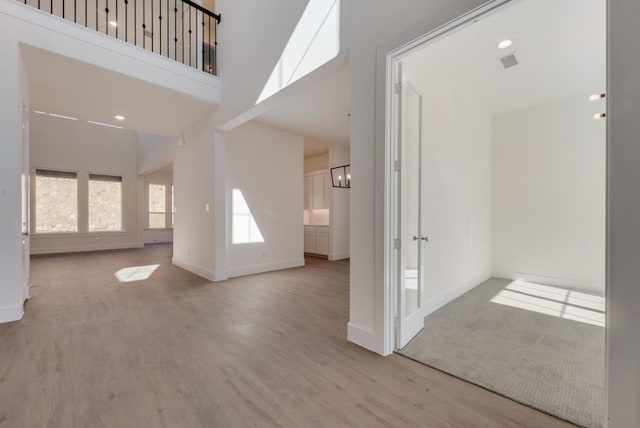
x: 68, y: 145
x: 14, y: 86
x: 340, y: 206
x: 549, y: 191
x: 456, y: 178
x: 193, y: 180
x: 265, y: 164
x: 154, y: 151
x: 316, y: 163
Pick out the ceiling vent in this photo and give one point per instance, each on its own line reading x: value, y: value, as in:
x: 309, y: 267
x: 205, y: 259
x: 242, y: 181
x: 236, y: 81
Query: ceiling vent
x: 509, y: 61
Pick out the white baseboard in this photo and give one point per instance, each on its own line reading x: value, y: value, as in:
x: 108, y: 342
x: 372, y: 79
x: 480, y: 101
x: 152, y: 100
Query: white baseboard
x: 364, y: 337
x: 83, y: 248
x: 442, y: 299
x: 11, y: 313
x: 568, y: 283
x: 339, y: 256
x: 251, y: 270
x: 200, y: 271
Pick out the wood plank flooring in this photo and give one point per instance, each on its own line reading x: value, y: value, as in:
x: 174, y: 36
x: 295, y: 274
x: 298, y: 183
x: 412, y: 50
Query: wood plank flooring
x: 177, y: 351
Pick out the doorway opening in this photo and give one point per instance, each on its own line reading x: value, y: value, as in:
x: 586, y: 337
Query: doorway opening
x: 496, y: 205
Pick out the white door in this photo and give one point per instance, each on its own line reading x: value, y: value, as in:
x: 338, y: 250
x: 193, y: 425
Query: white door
x: 24, y: 144
x: 410, y: 272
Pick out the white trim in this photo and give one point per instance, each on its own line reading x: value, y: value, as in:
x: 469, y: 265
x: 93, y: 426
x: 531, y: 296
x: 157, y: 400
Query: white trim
x: 364, y: 337
x: 251, y: 270
x: 83, y: 248
x: 442, y: 299
x: 568, y: 283
x: 199, y: 270
x: 11, y: 313
x: 26, y: 292
x: 339, y: 256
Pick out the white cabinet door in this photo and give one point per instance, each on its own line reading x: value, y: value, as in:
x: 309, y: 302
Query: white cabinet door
x: 317, y: 201
x: 328, y: 188
x: 308, y: 192
x: 322, y: 244
x: 310, y: 242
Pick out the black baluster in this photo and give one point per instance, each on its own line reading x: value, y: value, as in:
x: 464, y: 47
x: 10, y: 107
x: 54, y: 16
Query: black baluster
x: 96, y: 15
x: 75, y: 12
x: 190, y: 40
x: 117, y: 19
x: 144, y: 26
x: 167, y: 29
x: 160, y: 25
x: 126, y: 20
x: 152, y: 29
x: 135, y: 22
x: 106, y: 17
x: 182, y: 29
x: 175, y: 30
x: 51, y: 7
x: 202, y: 41
x: 215, y: 47
x: 62, y: 9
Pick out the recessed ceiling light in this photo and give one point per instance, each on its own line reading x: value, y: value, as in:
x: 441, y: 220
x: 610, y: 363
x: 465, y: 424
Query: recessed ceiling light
x: 62, y: 116
x: 113, y: 23
x: 599, y: 115
x: 595, y: 97
x: 119, y: 117
x: 505, y: 44
x: 104, y: 124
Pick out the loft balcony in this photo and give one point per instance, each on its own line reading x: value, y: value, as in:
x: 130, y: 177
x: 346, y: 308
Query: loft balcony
x: 180, y: 30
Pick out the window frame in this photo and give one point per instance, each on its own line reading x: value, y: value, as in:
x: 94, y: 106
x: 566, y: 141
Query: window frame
x: 34, y: 201
x: 168, y: 205
x: 123, y: 226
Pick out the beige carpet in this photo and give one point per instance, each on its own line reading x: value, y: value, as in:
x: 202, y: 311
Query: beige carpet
x: 543, y: 360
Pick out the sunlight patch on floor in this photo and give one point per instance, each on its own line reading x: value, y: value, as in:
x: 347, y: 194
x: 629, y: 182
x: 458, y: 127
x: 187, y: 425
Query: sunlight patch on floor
x: 553, y: 301
x: 136, y: 273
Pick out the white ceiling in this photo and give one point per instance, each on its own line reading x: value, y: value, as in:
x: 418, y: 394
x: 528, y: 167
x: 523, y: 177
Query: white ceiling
x: 319, y: 112
x: 560, y: 46
x: 69, y: 87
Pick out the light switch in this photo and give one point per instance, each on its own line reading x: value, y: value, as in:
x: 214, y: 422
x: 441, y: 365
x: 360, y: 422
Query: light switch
x: 206, y: 207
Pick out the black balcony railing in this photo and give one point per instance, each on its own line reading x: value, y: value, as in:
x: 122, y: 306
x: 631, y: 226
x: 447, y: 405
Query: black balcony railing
x: 178, y: 29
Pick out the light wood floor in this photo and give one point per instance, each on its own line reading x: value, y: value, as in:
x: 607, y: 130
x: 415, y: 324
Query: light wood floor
x: 177, y: 351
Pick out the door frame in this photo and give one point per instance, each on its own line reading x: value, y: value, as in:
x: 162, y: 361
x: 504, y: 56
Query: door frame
x: 392, y: 246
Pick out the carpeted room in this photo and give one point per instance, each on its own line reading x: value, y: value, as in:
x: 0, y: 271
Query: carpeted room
x: 504, y: 181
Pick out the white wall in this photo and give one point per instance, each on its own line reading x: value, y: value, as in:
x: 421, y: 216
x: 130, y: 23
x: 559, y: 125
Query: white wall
x: 340, y: 206
x: 549, y: 194
x: 155, y: 151
x: 80, y: 146
x: 156, y: 236
x: 270, y: 22
x: 266, y: 165
x: 193, y: 179
x: 456, y: 189
x: 623, y: 229
x: 14, y: 86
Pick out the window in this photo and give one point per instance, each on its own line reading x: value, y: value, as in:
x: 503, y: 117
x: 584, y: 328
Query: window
x: 56, y: 201
x: 105, y: 203
x: 157, y: 206
x: 245, y: 229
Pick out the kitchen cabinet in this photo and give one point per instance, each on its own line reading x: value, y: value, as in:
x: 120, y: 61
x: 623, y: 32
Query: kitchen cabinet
x: 316, y: 240
x: 317, y: 191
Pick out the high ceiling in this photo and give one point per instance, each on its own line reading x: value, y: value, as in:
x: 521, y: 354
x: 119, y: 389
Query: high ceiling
x: 320, y: 112
x: 560, y: 47
x: 69, y: 87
